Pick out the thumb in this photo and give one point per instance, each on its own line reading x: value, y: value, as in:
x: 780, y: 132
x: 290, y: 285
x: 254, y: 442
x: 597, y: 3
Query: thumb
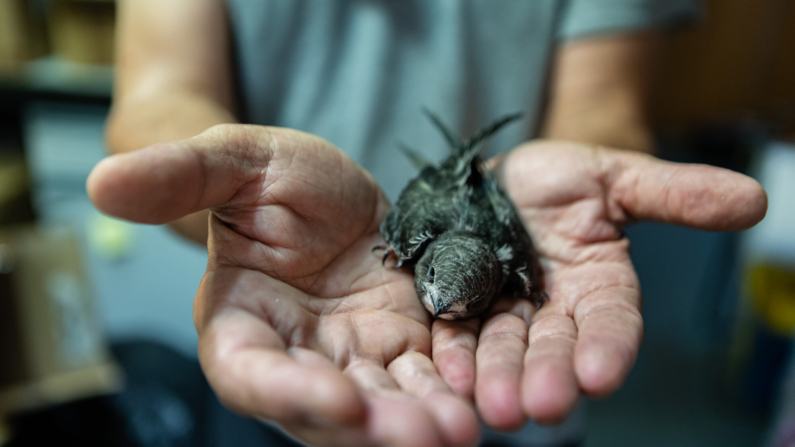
x: 697, y: 196
x: 166, y: 181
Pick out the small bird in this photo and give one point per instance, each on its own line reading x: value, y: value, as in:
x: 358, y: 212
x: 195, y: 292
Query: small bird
x: 461, y: 232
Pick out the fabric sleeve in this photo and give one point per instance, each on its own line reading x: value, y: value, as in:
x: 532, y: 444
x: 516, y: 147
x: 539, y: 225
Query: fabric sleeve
x: 584, y: 18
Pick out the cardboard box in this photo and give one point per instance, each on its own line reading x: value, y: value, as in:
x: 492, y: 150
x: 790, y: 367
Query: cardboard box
x: 22, y: 35
x: 52, y: 348
x: 15, y: 197
x: 83, y: 31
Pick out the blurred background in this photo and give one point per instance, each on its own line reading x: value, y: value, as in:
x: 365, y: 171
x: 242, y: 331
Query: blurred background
x: 83, y: 337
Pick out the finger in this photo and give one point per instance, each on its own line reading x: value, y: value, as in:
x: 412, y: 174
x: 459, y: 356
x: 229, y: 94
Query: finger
x: 698, y: 196
x: 501, y: 348
x: 455, y: 418
x: 453, y: 347
x: 247, y: 365
x: 398, y: 421
x: 416, y: 375
x: 229, y: 166
x: 549, y: 386
x: 387, y: 404
x: 166, y: 181
x: 610, y: 333
x: 318, y: 435
x: 392, y: 420
x: 371, y: 375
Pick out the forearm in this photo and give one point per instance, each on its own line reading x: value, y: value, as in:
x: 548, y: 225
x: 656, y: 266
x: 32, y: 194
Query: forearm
x: 173, y: 79
x: 135, y: 123
x: 613, y: 125
x: 599, y: 91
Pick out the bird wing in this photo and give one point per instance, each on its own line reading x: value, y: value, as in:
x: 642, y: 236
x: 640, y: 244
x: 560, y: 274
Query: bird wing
x: 420, y: 214
x: 438, y: 198
x: 500, y: 203
x: 524, y: 271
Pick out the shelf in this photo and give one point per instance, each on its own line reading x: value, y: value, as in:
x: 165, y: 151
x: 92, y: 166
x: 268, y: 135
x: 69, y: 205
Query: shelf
x: 53, y: 76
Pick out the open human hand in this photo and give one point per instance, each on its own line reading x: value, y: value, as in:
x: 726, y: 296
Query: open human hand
x: 575, y: 199
x: 298, y: 321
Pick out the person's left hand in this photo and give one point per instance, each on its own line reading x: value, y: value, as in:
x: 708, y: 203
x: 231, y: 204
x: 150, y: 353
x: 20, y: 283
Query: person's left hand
x: 521, y: 363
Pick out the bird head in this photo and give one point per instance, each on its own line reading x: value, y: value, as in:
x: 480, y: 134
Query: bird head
x: 457, y: 276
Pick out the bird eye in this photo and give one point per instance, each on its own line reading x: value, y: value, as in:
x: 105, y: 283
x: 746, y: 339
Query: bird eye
x: 431, y: 274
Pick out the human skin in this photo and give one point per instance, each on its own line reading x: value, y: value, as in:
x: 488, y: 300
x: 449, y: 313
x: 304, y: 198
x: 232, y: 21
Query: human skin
x: 319, y: 337
x: 599, y: 91
x: 174, y: 80
x: 299, y: 323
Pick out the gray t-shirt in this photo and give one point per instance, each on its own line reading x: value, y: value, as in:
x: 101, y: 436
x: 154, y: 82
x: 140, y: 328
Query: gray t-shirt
x: 358, y: 72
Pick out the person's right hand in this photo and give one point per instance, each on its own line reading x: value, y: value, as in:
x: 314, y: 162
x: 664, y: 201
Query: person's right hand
x: 298, y: 321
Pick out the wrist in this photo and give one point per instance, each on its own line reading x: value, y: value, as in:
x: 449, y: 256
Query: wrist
x: 612, y: 128
x: 138, y: 122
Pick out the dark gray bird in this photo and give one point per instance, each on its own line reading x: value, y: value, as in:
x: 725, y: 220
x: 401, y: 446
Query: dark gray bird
x: 462, y: 232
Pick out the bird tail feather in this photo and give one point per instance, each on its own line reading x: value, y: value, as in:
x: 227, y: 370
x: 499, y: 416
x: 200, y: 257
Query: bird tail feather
x: 469, y: 151
x: 452, y: 139
x: 417, y: 160
x: 475, y: 143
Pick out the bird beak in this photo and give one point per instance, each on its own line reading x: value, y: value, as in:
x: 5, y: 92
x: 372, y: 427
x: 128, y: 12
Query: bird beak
x: 439, y: 309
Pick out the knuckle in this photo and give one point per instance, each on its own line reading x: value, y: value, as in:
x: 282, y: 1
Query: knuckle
x: 553, y: 328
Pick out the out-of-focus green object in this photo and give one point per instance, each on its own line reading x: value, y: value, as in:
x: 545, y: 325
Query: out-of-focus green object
x: 765, y: 322
x: 769, y: 250
x: 4, y: 432
x: 83, y: 31
x: 772, y: 290
x: 109, y: 237
x: 15, y: 202
x: 22, y: 35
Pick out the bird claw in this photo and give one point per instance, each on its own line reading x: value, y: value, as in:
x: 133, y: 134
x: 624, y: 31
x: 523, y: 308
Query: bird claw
x: 544, y: 299
x: 388, y: 251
